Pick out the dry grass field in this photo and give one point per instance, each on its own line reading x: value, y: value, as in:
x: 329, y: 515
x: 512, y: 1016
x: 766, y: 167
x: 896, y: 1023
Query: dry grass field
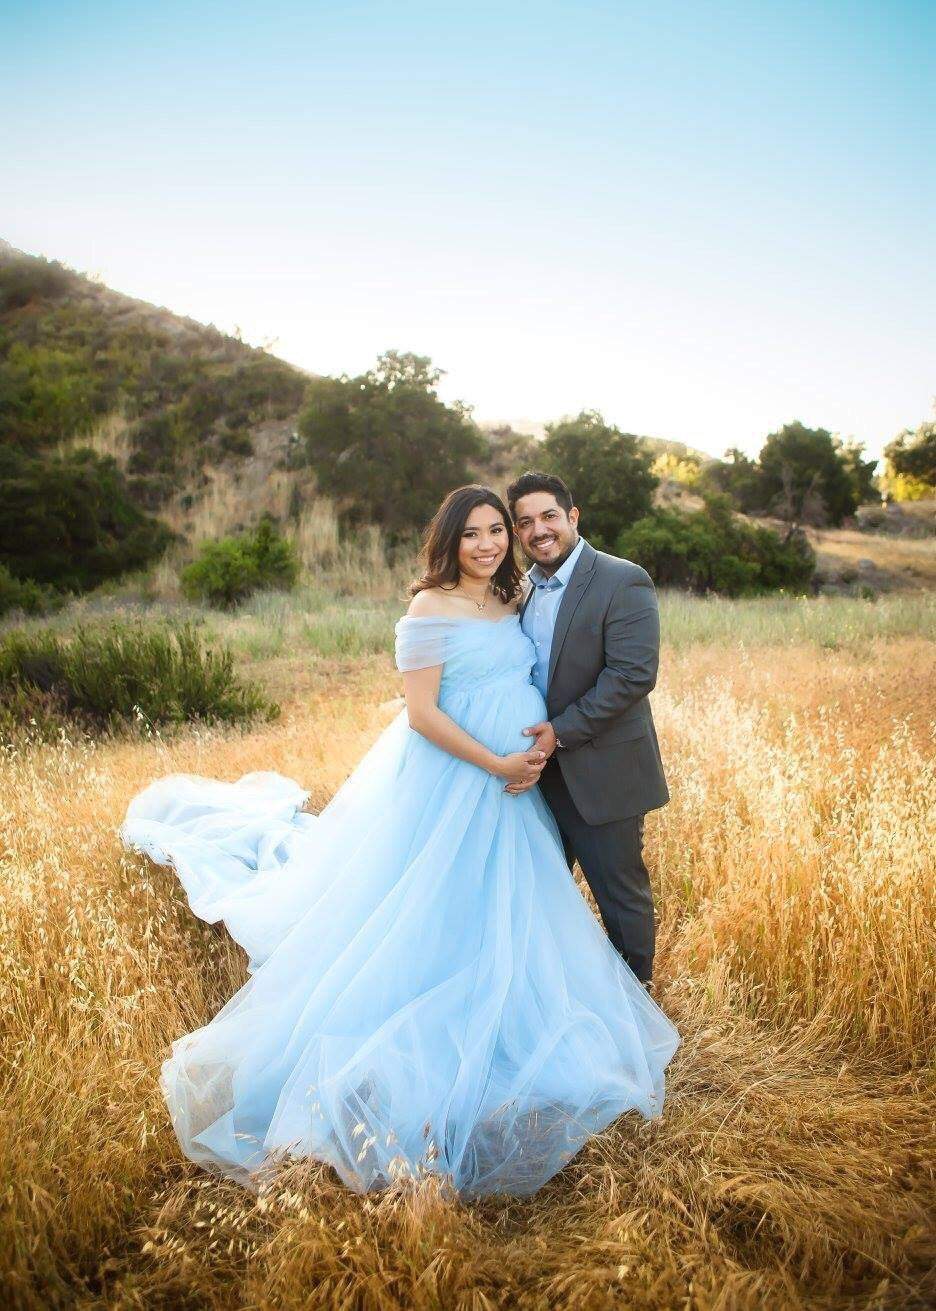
x: 793, y: 1165
x: 897, y: 561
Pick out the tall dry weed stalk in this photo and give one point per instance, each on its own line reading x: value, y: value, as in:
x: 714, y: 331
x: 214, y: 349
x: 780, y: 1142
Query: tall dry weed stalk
x: 797, y: 857
x: 218, y: 509
x: 315, y: 534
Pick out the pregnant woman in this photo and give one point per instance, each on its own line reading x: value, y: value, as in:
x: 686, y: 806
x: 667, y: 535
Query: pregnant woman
x: 429, y: 991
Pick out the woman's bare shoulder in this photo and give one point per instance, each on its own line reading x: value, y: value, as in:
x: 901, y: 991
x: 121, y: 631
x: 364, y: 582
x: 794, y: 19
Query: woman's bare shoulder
x: 432, y: 602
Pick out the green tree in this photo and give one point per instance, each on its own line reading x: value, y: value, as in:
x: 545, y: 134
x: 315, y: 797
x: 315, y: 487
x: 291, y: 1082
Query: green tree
x: 805, y: 475
x: 860, y: 471
x: 682, y: 470
x: 736, y: 476
x: 385, y: 446
x: 607, y: 470
x: 67, y: 520
x: 912, y: 455
x: 509, y: 453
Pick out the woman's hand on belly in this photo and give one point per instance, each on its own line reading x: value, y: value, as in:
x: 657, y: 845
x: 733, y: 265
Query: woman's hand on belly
x: 522, y: 768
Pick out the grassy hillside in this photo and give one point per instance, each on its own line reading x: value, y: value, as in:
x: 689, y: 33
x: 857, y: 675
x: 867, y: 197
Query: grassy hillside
x: 176, y: 403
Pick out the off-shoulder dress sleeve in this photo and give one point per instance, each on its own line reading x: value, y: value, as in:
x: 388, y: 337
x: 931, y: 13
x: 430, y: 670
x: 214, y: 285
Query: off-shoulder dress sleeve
x: 421, y: 641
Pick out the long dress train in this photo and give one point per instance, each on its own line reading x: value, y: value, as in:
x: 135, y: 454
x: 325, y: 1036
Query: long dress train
x: 429, y: 991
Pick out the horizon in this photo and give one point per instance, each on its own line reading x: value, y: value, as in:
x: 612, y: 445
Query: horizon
x: 703, y: 225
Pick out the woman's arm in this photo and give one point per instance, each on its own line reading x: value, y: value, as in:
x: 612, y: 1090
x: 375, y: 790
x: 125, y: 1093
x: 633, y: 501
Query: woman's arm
x: 421, y: 688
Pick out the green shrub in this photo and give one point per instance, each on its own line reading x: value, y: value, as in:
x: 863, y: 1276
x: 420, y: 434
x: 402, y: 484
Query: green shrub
x: 235, y: 441
x: 711, y: 551
x: 224, y: 573
x: 151, y: 491
x: 24, y: 594
x: 28, y: 278
x: 67, y: 521
x: 109, y: 678
x: 788, y: 564
x: 47, y: 393
x: 231, y: 569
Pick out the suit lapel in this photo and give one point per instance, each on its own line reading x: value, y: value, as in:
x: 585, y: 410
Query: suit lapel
x: 526, y: 600
x: 573, y: 592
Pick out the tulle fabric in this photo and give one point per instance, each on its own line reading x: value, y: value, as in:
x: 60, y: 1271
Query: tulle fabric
x: 429, y: 992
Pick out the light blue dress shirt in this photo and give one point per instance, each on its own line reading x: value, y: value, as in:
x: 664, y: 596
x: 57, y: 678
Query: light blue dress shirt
x: 539, y: 618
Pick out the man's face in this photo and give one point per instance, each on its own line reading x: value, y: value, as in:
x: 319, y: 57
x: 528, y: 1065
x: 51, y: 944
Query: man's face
x: 547, y: 534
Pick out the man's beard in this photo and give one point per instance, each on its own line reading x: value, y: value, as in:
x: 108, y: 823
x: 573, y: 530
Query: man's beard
x: 556, y: 565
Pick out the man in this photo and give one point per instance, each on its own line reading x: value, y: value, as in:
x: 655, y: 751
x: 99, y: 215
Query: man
x: 594, y: 622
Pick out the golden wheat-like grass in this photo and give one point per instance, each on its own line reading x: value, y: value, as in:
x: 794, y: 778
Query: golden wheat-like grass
x: 792, y: 1166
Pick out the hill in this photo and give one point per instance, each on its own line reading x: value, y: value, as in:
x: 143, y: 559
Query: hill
x: 663, y: 446
x: 536, y: 428
x: 192, y: 415
x: 202, y: 424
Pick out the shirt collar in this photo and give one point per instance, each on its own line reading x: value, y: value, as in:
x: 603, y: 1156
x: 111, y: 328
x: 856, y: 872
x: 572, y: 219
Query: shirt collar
x: 562, y: 574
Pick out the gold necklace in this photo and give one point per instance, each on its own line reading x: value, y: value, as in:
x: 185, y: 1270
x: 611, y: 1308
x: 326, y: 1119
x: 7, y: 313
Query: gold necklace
x: 479, y: 605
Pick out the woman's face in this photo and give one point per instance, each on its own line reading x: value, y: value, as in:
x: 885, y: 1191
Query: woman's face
x: 484, y: 543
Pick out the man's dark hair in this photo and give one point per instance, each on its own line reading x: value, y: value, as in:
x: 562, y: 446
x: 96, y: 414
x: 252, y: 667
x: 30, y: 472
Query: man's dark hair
x: 532, y: 481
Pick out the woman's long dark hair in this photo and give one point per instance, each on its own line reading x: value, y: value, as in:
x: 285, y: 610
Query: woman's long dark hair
x: 441, y: 540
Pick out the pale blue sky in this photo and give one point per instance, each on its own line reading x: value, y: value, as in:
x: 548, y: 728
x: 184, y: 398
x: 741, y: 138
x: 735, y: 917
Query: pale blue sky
x: 701, y: 219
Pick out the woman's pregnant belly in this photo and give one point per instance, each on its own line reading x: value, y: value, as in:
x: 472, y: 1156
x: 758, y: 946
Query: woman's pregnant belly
x: 496, y: 713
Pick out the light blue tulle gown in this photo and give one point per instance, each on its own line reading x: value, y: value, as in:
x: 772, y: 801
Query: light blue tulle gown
x: 429, y: 991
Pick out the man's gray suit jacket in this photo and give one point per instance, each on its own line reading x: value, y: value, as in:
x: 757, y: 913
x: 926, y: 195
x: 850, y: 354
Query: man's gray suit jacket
x: 602, y: 665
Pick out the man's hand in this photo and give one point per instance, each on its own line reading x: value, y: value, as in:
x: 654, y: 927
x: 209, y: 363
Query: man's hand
x: 545, y: 737
x: 545, y: 742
